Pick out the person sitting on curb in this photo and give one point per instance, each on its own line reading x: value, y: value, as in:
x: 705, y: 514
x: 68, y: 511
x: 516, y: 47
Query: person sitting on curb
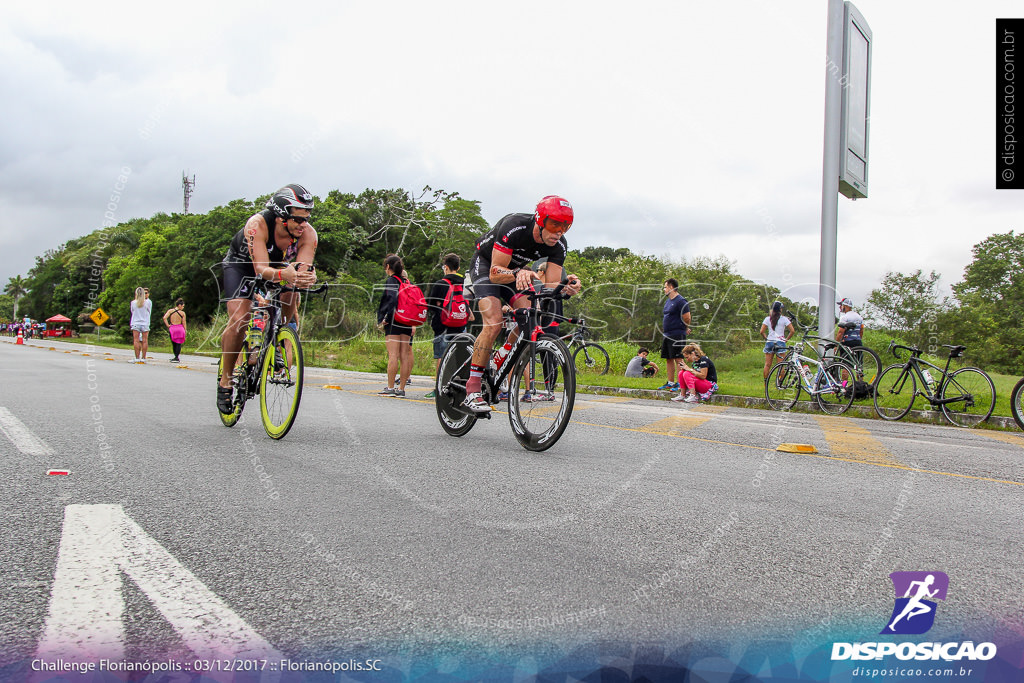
x: 698, y: 378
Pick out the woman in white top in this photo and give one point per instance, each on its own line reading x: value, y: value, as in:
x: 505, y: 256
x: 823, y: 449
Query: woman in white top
x: 776, y: 331
x: 141, y: 308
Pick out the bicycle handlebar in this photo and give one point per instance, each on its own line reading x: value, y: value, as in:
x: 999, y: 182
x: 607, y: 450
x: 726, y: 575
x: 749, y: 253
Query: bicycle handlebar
x: 895, y: 348
x: 539, y: 291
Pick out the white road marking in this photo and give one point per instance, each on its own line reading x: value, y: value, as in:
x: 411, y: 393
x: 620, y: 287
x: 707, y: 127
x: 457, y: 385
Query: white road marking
x: 21, y: 436
x: 85, y: 619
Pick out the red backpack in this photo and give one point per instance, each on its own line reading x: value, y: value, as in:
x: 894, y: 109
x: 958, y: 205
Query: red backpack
x: 412, y: 305
x: 454, y: 311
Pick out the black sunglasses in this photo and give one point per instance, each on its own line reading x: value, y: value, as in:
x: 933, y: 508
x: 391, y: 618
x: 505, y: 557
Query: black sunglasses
x: 299, y: 219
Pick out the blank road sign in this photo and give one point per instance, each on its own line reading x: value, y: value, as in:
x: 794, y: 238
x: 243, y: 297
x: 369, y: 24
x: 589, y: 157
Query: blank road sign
x: 856, y: 107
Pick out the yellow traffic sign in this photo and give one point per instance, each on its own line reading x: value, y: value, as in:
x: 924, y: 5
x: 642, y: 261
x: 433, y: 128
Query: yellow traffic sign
x: 99, y: 317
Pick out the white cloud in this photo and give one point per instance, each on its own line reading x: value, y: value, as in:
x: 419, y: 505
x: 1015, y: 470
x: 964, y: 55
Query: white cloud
x: 674, y: 127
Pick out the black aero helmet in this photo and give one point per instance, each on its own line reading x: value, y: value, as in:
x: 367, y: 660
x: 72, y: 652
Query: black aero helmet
x: 288, y: 197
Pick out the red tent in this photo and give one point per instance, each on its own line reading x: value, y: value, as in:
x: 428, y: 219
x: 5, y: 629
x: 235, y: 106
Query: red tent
x: 58, y: 320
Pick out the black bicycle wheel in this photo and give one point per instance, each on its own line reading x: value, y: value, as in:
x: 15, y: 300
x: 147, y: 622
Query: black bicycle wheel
x: 1017, y: 403
x: 782, y: 386
x: 238, y: 384
x: 895, y: 392
x: 591, y: 357
x: 834, y: 387
x: 866, y: 363
x: 975, y: 394
x: 281, y: 383
x: 542, y: 391
x: 450, y: 388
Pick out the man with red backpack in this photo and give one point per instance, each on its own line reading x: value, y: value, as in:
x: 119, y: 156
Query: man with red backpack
x: 450, y: 311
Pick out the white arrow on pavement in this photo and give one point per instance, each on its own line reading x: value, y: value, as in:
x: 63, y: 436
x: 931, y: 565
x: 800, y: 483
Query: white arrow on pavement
x: 85, y: 621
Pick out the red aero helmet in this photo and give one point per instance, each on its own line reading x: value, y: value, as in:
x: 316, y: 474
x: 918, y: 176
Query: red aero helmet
x: 554, y: 207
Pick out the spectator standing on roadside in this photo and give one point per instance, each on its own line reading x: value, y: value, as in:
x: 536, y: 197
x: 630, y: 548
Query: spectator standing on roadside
x: 639, y: 366
x: 776, y: 331
x: 141, y: 310
x: 397, y: 337
x: 675, y: 326
x: 452, y: 282
x: 174, y: 320
x: 850, y: 330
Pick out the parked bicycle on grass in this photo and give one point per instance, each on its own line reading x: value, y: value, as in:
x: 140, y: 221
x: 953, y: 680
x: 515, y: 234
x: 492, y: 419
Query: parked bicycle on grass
x: 587, y: 356
x: 831, y: 383
x: 866, y: 363
x: 966, y: 396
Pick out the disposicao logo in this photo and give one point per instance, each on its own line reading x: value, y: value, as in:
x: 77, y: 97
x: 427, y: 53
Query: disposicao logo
x: 916, y: 592
x: 914, y: 613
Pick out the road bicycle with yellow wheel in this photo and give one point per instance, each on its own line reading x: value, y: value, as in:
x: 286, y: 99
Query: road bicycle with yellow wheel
x: 269, y: 365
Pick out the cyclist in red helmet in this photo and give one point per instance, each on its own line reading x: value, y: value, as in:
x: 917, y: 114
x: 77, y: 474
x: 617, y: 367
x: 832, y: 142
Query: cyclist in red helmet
x: 499, y: 274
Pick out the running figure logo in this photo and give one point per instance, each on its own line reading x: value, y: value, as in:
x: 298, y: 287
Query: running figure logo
x: 914, y: 612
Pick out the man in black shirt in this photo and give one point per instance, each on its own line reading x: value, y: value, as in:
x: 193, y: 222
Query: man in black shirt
x: 499, y: 275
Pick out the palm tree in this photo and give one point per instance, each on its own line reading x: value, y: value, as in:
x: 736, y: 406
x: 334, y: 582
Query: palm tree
x: 17, y: 287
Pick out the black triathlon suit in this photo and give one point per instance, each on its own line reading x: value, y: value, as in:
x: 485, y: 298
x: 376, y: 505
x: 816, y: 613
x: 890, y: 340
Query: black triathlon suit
x: 239, y: 273
x: 512, y: 235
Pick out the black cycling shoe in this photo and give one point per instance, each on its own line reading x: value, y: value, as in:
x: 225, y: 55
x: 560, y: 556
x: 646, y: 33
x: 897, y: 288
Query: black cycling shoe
x: 224, y: 402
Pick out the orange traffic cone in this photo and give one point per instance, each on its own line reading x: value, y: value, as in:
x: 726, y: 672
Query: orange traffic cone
x: 21, y: 340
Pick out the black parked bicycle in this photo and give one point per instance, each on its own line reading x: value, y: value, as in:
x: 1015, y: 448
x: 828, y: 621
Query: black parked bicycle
x: 269, y: 365
x: 587, y: 356
x: 541, y: 380
x: 966, y: 396
x: 1017, y: 403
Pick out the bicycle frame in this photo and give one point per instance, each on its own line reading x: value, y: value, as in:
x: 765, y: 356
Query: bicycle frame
x: 523, y: 342
x: 914, y: 363
x: 795, y: 359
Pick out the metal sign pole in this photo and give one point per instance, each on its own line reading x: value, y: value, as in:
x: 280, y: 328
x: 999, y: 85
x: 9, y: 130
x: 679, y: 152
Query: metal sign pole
x: 830, y: 170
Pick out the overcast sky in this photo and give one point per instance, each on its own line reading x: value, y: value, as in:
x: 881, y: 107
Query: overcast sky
x: 678, y: 129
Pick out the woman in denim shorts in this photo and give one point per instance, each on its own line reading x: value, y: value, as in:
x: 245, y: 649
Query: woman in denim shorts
x: 776, y: 331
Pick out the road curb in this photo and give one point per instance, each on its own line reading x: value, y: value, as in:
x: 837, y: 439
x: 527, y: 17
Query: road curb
x: 862, y: 411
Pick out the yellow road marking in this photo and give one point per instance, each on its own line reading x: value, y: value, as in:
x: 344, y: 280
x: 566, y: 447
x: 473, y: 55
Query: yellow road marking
x: 1015, y: 439
x: 845, y: 438
x: 811, y: 455
x: 609, y: 399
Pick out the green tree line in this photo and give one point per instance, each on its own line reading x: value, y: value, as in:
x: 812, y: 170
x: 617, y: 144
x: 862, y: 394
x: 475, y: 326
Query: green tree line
x: 177, y: 255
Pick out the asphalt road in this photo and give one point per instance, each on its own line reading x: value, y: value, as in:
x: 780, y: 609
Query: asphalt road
x: 369, y: 531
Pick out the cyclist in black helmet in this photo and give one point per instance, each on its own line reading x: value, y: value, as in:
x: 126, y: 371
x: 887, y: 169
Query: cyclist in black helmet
x: 277, y: 244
